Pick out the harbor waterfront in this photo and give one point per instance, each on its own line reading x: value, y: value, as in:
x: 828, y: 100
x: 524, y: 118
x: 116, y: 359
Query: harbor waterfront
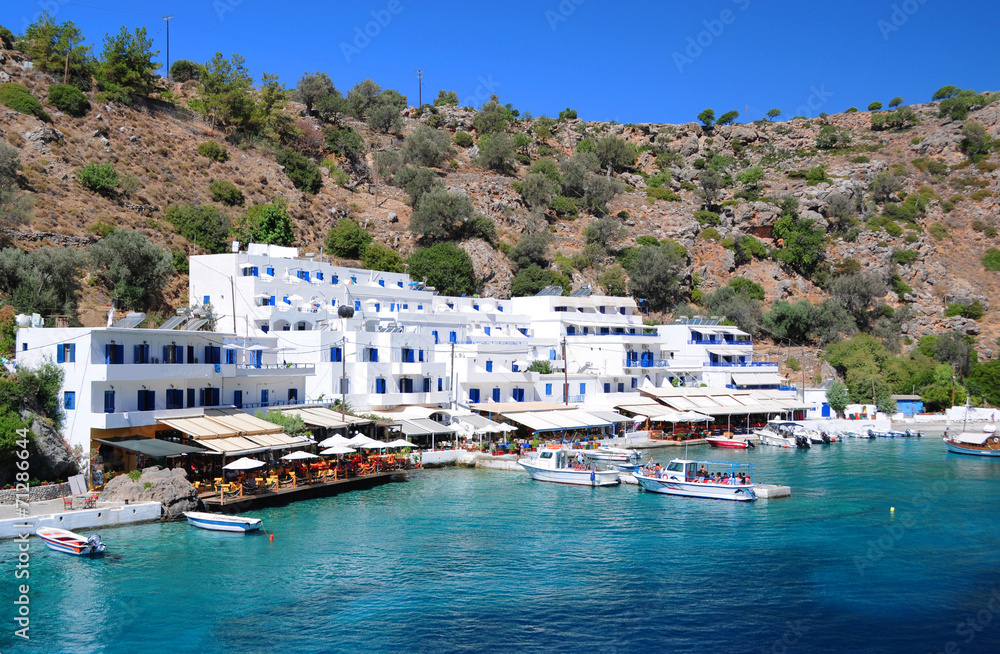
x: 886, y: 546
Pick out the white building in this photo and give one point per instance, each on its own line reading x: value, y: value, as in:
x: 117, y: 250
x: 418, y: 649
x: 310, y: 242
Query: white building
x: 122, y: 381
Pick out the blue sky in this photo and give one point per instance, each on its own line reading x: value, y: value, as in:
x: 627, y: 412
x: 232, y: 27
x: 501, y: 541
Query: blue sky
x: 627, y: 61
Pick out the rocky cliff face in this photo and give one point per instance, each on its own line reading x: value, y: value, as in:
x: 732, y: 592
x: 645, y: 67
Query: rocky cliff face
x: 170, y: 488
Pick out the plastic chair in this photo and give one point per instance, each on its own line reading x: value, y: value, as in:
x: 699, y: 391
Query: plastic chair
x: 67, y: 503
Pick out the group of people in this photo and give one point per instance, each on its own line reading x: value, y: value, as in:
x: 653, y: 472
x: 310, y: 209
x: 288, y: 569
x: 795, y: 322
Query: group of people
x: 723, y: 477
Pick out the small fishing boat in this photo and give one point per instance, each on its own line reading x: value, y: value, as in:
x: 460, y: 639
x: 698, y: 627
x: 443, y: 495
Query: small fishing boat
x: 62, y: 540
x: 783, y: 434
x: 615, y: 454
x: 729, y: 441
x: 218, y: 522
x: 560, y: 464
x: 982, y: 444
x: 684, y: 477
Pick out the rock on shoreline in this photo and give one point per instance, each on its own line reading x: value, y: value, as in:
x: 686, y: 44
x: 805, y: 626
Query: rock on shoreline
x: 170, y: 488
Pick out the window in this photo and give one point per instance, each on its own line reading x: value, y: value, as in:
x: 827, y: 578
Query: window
x: 406, y: 307
x: 371, y: 355
x: 230, y: 357
x: 552, y: 355
x: 191, y: 357
x: 319, y: 275
x: 548, y: 389
x: 380, y: 386
x: 378, y: 307
x: 607, y: 387
x: 440, y: 384
x: 175, y: 398
x: 250, y: 271
x: 570, y: 330
x: 514, y: 367
x: 496, y: 394
x: 114, y: 354
x: 523, y: 330
x: 399, y: 284
x: 621, y: 310
x: 109, y: 401
x: 621, y: 387
x: 213, y: 354
x: 293, y: 394
x: 420, y: 355
x: 562, y: 309
x: 518, y: 395
x: 270, y: 271
x: 427, y: 385
x: 207, y: 299
x: 407, y: 355
x: 601, y: 309
x: 392, y: 306
x: 489, y: 366
x: 487, y: 330
x: 335, y: 279
x: 405, y: 385
x: 452, y: 337
x: 501, y: 309
x: 69, y: 400
x: 190, y: 402
x: 209, y: 396
x: 264, y: 395
x: 140, y: 353
x: 605, y: 331
x: 420, y: 307
x: 635, y: 382
x: 146, y: 400
x: 65, y: 352
x: 583, y: 389
x: 473, y: 395
x: 475, y: 307
x: 336, y: 354
x: 238, y: 399
x: 435, y: 335
x: 284, y: 298
x: 269, y: 302
x: 357, y: 305
x: 24, y: 347
x: 381, y: 282
x: 354, y: 280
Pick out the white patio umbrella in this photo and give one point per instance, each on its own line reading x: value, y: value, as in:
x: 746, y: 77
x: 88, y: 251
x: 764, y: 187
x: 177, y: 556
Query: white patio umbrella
x: 362, y: 440
x: 335, y: 440
x: 243, y: 464
x: 399, y: 442
x: 338, y: 449
x: 374, y: 445
x: 297, y: 456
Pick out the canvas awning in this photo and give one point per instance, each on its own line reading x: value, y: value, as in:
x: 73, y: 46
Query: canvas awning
x: 199, y: 427
x: 557, y: 420
x: 757, y: 379
x: 321, y: 417
x: 479, y: 423
x: 232, y: 446
x: 730, y: 351
x: 611, y: 416
x: 423, y: 427
x: 154, y: 447
x: 279, y: 441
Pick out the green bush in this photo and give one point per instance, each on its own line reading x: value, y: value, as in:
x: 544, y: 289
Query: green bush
x: 347, y: 239
x: 378, y: 257
x: 214, y: 151
x: 440, y: 215
x: 301, y: 170
x: 19, y: 98
x: 6, y: 37
x: 345, y: 142
x: 892, y: 228
x: 264, y: 223
x: 991, y: 260
x: 464, y: 140
x: 183, y: 70
x: 226, y: 193
x: 480, y: 227
x: 904, y: 257
x: 660, y: 193
x: 973, y: 311
x: 709, y: 218
x: 206, y: 225
x: 131, y: 266
x: 426, y: 146
x: 68, y: 99
x: 530, y: 280
x: 564, y: 206
x: 860, y: 159
x: 446, y: 267
x: 99, y: 178
x: 938, y: 231
x: 710, y: 234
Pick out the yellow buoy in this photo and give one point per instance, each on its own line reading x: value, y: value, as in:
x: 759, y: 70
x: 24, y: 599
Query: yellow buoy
x: 892, y: 509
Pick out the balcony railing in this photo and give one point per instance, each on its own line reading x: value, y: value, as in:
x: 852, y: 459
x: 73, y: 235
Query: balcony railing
x: 648, y: 363
x: 717, y: 342
x: 746, y: 364
x: 273, y: 366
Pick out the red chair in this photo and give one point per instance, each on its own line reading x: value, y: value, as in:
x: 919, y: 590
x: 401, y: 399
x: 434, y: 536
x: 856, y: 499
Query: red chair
x: 67, y: 503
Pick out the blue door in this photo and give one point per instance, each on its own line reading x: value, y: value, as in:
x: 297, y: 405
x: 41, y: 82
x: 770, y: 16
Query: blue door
x: 826, y: 410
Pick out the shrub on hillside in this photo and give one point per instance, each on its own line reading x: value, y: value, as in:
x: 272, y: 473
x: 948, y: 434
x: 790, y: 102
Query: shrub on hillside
x: 102, y: 178
x: 19, y: 98
x: 938, y: 231
x: 264, y: 223
x: 301, y: 170
x: 131, y: 266
x: 417, y: 182
x: 226, y: 193
x: 440, y: 215
x: 446, y: 267
x: 707, y: 218
x: 68, y: 99
x: 205, y: 225
x: 345, y: 142
x: 426, y: 146
x: 660, y: 193
x: 904, y: 257
x: 6, y: 37
x: 534, y: 278
x: 183, y: 70
x: 496, y: 152
x: 347, y: 239
x: 378, y: 257
x: 991, y: 260
x: 463, y: 140
x: 214, y: 151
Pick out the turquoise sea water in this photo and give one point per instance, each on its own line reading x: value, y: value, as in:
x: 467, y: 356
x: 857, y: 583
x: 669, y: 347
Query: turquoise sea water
x: 473, y: 560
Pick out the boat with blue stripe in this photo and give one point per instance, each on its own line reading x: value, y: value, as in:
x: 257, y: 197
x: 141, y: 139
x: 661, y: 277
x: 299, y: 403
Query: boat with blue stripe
x: 217, y: 522
x: 716, y: 480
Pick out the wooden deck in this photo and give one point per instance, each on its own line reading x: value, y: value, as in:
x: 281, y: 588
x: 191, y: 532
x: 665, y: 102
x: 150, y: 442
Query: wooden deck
x: 214, y: 503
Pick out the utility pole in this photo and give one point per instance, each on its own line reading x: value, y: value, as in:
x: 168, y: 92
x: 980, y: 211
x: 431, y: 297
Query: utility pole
x: 343, y: 379
x: 803, y: 369
x: 232, y: 289
x: 420, y: 87
x: 565, y: 374
x: 167, y: 18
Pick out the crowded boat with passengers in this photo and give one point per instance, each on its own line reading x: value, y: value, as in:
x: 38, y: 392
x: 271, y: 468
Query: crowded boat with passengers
x: 705, y: 479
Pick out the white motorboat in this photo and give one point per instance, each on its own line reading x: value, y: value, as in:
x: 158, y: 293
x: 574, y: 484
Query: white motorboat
x: 63, y: 540
x: 560, y: 464
x: 613, y: 454
x: 724, y: 481
x: 783, y: 434
x: 219, y: 522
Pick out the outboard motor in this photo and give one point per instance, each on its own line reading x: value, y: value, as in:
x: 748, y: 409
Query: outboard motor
x: 871, y: 434
x: 97, y: 546
x: 751, y: 445
x: 825, y: 437
x: 802, y: 441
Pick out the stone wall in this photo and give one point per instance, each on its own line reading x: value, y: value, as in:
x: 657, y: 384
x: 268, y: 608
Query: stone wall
x: 37, y: 493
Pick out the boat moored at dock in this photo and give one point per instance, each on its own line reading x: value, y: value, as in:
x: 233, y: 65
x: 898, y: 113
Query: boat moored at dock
x: 730, y: 442
x: 613, y: 454
x: 724, y: 481
x: 986, y: 443
x: 561, y: 465
x: 218, y: 522
x: 63, y: 540
x: 783, y: 434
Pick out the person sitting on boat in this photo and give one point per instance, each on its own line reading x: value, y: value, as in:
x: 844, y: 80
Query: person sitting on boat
x: 703, y: 472
x: 725, y: 478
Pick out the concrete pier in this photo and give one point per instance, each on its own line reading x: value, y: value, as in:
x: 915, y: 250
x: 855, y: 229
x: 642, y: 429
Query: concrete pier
x: 771, y: 491
x: 82, y: 519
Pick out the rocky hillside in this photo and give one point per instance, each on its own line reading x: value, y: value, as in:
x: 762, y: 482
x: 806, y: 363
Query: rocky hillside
x: 156, y: 142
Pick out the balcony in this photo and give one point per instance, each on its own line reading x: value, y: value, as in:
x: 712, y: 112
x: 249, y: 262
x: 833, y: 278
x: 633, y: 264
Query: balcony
x: 717, y: 342
x: 747, y: 364
x: 138, y: 372
x: 648, y: 363
x: 275, y: 370
x: 397, y: 399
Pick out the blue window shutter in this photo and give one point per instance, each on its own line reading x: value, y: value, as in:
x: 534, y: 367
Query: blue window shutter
x: 489, y: 366
x: 607, y: 387
x: 238, y: 399
x: 399, y: 284
x: 60, y: 355
x: 137, y: 354
x: 487, y: 330
x: 552, y: 355
x: 180, y: 354
x: 381, y: 282
x: 69, y: 400
x: 420, y: 356
x: 72, y: 352
x: 583, y: 389
x: 548, y: 389
x: 357, y: 305
x: 165, y: 352
x: 473, y: 395
x: 270, y: 271
x: 621, y: 387
x: 263, y: 396
x: 496, y: 394
x: 207, y: 299
x: 109, y: 401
